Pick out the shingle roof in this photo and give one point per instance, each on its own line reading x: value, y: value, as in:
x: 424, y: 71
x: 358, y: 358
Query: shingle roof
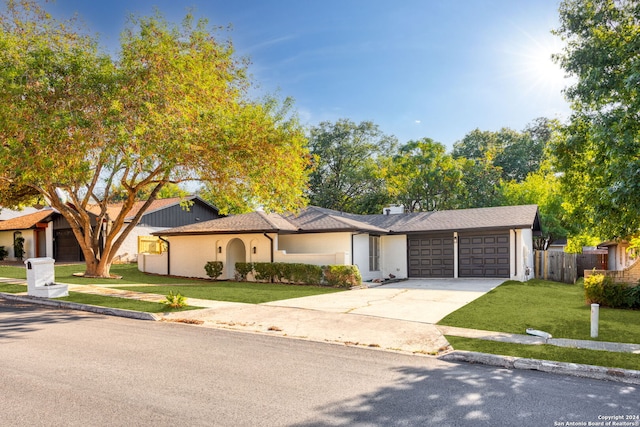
x: 316, y: 220
x: 254, y: 222
x: 25, y: 222
x: 524, y: 216
x: 114, y: 209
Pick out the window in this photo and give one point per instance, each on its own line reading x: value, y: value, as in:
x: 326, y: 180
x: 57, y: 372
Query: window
x: 374, y: 253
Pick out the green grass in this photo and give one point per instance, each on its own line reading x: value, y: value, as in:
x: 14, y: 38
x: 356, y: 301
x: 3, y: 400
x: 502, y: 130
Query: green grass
x: 12, y: 289
x: 122, y: 303
x: 246, y: 292
x: 129, y: 272
x: 549, y: 352
x: 252, y: 293
x: 104, y: 301
x: 553, y: 307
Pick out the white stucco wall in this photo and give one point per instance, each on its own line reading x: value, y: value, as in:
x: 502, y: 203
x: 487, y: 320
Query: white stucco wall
x: 189, y: 254
x: 6, y: 240
x: 128, y: 251
x: 361, y: 257
x: 394, y: 256
x: 521, y: 261
x: 153, y: 263
x: 315, y: 243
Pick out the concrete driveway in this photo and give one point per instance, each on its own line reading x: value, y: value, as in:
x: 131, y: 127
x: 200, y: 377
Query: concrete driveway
x: 417, y: 300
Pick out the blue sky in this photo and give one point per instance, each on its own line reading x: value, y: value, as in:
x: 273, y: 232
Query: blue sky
x: 416, y: 68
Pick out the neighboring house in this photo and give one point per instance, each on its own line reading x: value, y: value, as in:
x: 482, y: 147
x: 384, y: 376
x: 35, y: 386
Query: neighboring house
x: 161, y: 215
x: 622, y: 264
x: 485, y: 242
x: 47, y: 232
x: 618, y: 255
x: 34, y: 227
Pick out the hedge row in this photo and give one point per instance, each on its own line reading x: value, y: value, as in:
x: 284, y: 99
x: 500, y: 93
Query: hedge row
x: 341, y: 276
x: 600, y: 289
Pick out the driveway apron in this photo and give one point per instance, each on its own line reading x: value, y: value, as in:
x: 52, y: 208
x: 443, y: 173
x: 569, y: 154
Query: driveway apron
x: 416, y: 300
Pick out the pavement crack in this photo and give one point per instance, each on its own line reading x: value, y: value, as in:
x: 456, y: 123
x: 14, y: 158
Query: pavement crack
x: 370, y: 302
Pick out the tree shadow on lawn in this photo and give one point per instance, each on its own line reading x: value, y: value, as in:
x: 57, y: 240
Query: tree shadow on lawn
x: 461, y: 395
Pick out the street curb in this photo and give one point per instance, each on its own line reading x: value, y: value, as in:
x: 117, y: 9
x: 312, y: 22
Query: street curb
x: 119, y: 312
x: 627, y: 376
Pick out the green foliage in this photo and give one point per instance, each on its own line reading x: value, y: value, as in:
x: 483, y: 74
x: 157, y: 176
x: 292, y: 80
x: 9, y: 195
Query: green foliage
x: 174, y: 300
x: 268, y: 271
x: 346, y: 160
x: 243, y: 269
x: 423, y: 177
x: 18, y: 247
x: 213, y: 269
x: 543, y: 189
x: 633, y: 296
x: 3, y: 253
x: 600, y: 146
x: 288, y: 272
x: 515, y: 154
x: 173, y: 107
x: 601, y: 289
x: 305, y: 273
x: 575, y: 243
x: 342, y: 276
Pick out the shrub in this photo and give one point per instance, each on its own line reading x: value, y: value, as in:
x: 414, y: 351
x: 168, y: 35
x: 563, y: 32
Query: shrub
x: 601, y: 289
x: 3, y: 253
x: 305, y: 273
x: 342, y: 276
x: 269, y: 271
x: 242, y: 270
x: 633, y: 297
x: 174, y: 300
x: 213, y: 269
x: 18, y: 247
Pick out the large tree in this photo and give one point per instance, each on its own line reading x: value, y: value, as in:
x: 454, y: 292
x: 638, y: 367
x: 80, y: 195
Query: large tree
x: 347, y: 159
x: 600, y: 151
x: 79, y: 126
x: 541, y: 188
x: 423, y: 177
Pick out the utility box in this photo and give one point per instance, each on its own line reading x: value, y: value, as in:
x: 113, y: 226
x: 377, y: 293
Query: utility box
x: 41, y: 279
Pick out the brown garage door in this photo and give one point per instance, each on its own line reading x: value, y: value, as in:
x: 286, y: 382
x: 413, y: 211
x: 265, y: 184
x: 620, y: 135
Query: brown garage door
x: 483, y: 255
x: 66, y: 247
x: 430, y: 255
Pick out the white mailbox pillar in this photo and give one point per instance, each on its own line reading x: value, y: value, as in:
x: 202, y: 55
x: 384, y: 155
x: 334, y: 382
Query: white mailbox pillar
x: 41, y: 279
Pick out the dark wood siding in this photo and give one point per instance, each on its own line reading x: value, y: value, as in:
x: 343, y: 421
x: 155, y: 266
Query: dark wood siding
x: 176, y: 216
x: 484, y: 255
x: 430, y: 255
x: 66, y: 247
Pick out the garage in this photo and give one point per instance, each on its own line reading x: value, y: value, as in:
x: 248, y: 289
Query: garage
x: 66, y: 247
x: 431, y: 255
x: 484, y: 255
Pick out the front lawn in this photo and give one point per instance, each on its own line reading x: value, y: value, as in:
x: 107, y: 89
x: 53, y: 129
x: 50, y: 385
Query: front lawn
x: 247, y: 292
x: 10, y: 288
x: 548, y: 352
x: 129, y: 273
x: 122, y: 303
x: 553, y: 307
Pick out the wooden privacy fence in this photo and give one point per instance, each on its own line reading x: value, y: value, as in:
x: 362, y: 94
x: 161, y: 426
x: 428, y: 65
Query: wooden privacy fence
x: 555, y: 265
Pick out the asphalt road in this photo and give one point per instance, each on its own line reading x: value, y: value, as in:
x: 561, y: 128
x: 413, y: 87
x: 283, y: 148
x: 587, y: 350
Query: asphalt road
x: 78, y: 369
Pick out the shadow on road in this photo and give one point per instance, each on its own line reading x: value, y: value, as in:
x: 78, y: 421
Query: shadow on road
x: 495, y: 396
x: 17, y: 318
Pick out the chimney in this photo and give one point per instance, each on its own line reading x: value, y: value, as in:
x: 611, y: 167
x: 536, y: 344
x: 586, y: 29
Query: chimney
x: 393, y: 210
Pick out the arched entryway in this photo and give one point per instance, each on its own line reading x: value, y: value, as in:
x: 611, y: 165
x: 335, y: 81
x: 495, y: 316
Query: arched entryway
x: 236, y: 252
